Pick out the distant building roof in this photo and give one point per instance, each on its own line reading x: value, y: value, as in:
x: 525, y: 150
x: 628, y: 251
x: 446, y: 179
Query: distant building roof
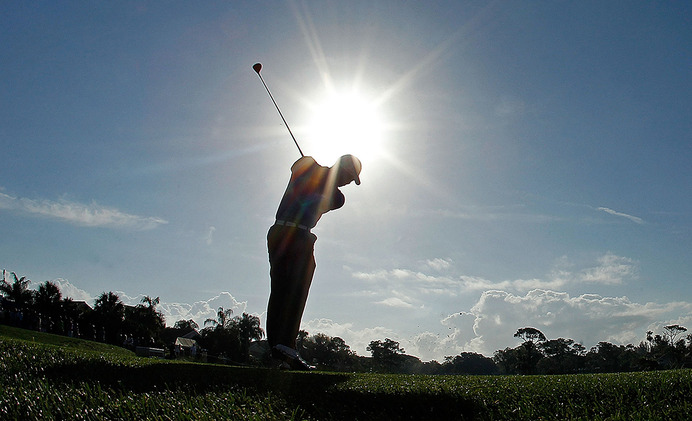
x: 185, y: 342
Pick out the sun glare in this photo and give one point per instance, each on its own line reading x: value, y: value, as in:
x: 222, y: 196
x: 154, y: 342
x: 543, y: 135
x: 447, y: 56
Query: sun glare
x: 344, y: 123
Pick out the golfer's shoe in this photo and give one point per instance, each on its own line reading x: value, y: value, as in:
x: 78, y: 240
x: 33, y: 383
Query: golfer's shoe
x: 292, y: 357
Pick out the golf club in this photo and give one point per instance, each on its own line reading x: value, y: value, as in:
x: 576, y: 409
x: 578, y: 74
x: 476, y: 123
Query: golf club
x: 257, y: 67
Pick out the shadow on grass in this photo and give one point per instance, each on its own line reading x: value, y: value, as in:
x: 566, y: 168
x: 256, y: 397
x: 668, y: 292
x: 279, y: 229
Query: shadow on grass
x: 198, y: 378
x: 324, y: 396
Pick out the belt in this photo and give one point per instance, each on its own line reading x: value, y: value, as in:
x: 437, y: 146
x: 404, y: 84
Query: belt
x: 292, y: 224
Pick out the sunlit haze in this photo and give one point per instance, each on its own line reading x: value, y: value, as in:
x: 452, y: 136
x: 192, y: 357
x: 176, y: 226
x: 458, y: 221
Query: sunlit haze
x: 345, y: 122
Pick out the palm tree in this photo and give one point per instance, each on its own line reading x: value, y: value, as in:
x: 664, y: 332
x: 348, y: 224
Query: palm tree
x: 19, y: 295
x: 110, y: 313
x: 18, y: 291
x: 48, y: 302
x: 144, y: 322
x: 150, y: 302
x: 248, y: 330
x: 223, y: 319
x: 221, y: 338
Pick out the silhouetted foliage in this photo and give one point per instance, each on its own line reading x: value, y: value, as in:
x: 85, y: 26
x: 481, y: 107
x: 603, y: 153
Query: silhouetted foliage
x: 143, y: 323
x: 609, y: 358
x: 186, y: 325
x: 387, y: 356
x: 109, y: 314
x: 19, y: 300
x: 530, y: 334
x: 561, y: 356
x: 49, y: 308
x: 248, y: 327
x: 523, y: 359
x: 327, y: 353
x: 229, y: 339
x: 468, y: 363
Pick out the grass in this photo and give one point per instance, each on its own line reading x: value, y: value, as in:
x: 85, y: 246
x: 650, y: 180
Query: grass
x: 52, y: 377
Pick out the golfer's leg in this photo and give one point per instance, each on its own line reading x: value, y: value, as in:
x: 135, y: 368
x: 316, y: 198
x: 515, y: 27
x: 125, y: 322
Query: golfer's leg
x: 280, y: 272
x: 298, y: 298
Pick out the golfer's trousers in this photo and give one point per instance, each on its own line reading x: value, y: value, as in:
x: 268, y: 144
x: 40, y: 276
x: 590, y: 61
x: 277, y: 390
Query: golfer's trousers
x: 292, y: 265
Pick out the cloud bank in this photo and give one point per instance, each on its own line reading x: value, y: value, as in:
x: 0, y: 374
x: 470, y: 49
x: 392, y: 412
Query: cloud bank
x: 507, y: 305
x: 492, y: 321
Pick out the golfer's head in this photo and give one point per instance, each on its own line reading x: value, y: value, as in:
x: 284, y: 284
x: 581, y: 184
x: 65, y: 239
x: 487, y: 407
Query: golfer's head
x: 347, y: 169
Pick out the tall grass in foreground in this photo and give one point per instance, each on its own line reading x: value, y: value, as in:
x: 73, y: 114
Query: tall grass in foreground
x: 73, y: 380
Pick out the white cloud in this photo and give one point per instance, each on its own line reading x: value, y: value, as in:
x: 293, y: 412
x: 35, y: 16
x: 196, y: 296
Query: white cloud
x: 634, y: 219
x: 70, y: 291
x: 91, y: 215
x: 477, y: 283
x: 395, y: 302
x: 611, y: 270
x: 608, y: 269
x: 439, y: 264
x: 200, y: 311
x: 419, y: 281
x: 457, y: 335
x: 210, y: 235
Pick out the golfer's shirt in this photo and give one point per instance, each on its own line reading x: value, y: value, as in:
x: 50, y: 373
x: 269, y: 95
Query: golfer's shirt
x: 311, y: 192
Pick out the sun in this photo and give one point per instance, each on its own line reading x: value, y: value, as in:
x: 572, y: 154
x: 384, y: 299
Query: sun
x: 344, y: 122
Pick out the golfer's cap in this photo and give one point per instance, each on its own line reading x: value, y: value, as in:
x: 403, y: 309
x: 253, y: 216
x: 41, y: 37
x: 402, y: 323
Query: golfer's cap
x: 351, y: 165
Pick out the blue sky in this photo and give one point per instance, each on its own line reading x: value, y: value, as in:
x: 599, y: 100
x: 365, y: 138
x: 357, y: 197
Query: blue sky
x: 525, y: 163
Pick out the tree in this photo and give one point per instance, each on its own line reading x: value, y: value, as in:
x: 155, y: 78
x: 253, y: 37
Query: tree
x: 667, y: 351
x: 528, y: 354
x: 221, y: 337
x: 562, y: 356
x: 609, y: 358
x: 109, y: 312
x: 20, y: 298
x: 386, y: 355
x: 300, y: 340
x: 18, y: 291
x: 672, y: 332
x: 507, y: 360
x: 223, y: 319
x: 328, y: 352
x: 530, y: 334
x: 48, y: 304
x: 186, y: 325
x: 469, y: 363
x: 145, y: 323
x: 248, y: 327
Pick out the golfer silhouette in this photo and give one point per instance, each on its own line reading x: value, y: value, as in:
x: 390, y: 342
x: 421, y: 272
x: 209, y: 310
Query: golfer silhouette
x: 312, y: 191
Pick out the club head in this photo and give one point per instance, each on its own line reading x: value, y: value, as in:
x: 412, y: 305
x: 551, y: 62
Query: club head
x: 257, y: 67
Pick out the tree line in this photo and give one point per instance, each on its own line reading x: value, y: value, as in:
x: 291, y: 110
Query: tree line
x: 225, y: 338
x: 237, y: 339
x: 536, y: 354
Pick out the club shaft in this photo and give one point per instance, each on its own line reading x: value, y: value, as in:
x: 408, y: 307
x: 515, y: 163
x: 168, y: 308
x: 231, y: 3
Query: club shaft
x: 281, y: 114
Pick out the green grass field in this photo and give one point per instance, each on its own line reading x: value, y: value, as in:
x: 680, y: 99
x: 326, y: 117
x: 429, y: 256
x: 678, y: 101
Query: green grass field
x: 52, y: 377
